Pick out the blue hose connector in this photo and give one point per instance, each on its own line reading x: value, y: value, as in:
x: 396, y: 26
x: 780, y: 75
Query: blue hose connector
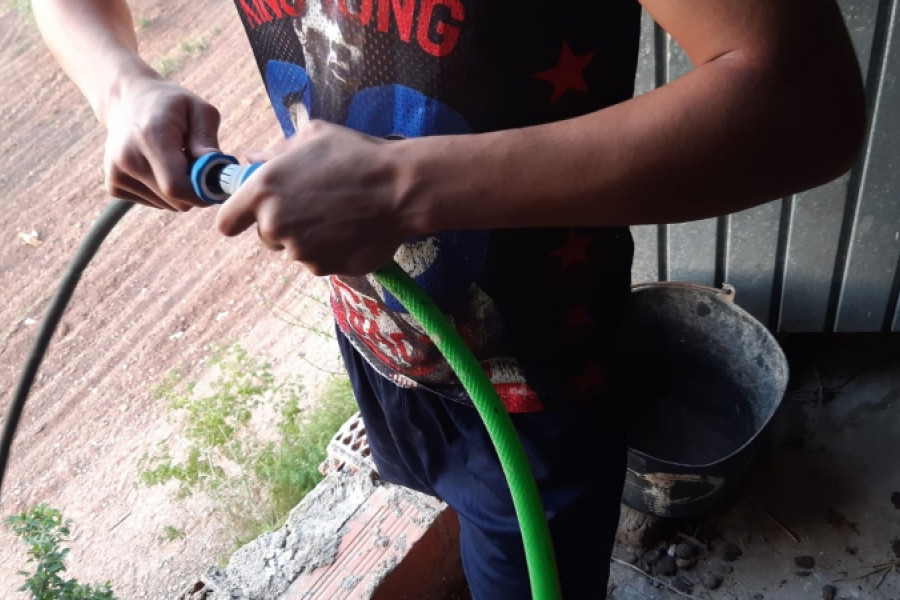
x: 215, y: 177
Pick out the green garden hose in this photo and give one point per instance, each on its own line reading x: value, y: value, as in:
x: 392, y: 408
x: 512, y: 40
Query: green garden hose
x: 529, y: 509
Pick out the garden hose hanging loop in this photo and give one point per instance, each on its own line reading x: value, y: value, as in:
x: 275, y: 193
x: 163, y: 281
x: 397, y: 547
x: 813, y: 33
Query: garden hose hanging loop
x: 83, y: 255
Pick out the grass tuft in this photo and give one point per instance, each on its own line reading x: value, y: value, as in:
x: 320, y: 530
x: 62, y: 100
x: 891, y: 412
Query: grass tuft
x: 186, y: 50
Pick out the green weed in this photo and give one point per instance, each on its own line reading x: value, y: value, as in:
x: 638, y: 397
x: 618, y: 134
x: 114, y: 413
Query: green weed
x: 308, y: 311
x: 43, y: 529
x: 172, y: 62
x: 255, y: 473
x: 167, y: 65
x: 291, y: 465
x: 171, y: 533
x: 191, y: 48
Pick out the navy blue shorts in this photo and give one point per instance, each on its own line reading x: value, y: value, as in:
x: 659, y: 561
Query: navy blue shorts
x: 440, y: 447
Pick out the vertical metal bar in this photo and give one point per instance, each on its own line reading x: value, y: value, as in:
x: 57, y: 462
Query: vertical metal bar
x: 691, y: 245
x: 661, y: 58
x: 723, y: 237
x: 662, y: 244
x: 781, y: 255
x: 661, y: 55
x: 892, y: 314
x: 645, y: 266
x: 749, y: 254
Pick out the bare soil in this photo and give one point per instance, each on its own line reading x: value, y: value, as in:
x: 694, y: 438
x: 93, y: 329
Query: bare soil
x: 163, y: 289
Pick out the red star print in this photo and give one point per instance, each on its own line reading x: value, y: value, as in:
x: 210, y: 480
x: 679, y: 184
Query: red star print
x: 568, y: 74
x: 592, y: 378
x: 579, y: 319
x: 574, y: 252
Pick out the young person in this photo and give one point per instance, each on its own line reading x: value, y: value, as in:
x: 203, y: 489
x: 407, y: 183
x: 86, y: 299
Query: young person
x: 516, y: 160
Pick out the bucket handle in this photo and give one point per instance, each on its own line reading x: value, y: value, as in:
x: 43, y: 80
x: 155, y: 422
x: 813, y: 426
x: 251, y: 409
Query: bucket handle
x: 726, y: 292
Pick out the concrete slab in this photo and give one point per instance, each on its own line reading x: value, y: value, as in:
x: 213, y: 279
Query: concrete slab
x: 820, y: 505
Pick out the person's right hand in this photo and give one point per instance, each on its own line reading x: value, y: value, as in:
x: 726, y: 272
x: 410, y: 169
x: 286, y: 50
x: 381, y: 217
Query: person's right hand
x: 155, y: 130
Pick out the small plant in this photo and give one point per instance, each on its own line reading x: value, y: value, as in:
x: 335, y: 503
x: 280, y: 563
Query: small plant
x: 43, y: 529
x: 191, y: 48
x: 309, y: 311
x: 172, y: 62
x: 167, y: 65
x: 171, y: 533
x: 291, y: 465
x: 256, y: 473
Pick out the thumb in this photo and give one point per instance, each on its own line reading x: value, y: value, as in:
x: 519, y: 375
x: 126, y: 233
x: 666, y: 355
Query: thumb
x: 203, y: 134
x: 269, y: 153
x: 237, y: 213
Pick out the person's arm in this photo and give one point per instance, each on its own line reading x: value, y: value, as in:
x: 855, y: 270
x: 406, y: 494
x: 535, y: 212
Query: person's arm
x: 774, y: 106
x: 154, y: 126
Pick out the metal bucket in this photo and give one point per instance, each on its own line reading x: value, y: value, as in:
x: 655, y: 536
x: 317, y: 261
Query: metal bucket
x: 704, y: 379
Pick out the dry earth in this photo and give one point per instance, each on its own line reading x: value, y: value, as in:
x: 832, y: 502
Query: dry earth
x: 162, y: 290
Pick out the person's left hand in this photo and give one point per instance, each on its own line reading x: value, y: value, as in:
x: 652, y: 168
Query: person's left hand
x: 329, y: 196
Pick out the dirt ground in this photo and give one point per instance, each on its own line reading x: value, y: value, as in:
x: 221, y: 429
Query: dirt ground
x: 162, y: 290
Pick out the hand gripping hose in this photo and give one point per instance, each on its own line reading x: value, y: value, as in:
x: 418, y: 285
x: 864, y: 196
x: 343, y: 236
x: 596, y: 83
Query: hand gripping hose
x: 215, y: 177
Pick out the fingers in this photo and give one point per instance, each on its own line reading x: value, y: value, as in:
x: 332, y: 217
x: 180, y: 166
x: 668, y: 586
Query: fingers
x: 136, y: 199
x: 270, y: 227
x: 170, y: 177
x: 121, y: 185
x: 268, y: 243
x: 159, y: 177
x: 238, y: 213
x: 246, y: 207
x: 162, y: 146
x: 203, y: 136
x: 171, y: 169
x: 267, y: 154
x: 153, y: 136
